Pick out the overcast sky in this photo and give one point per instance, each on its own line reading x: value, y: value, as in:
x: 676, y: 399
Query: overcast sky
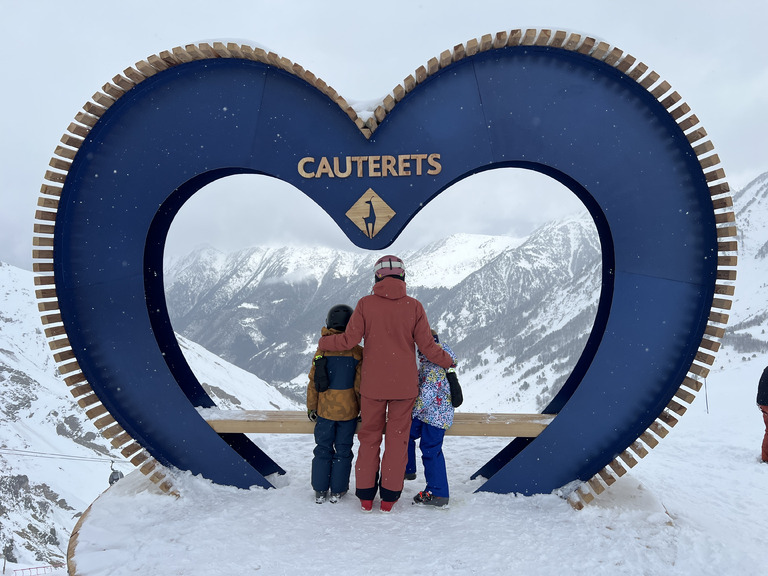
x: 57, y: 54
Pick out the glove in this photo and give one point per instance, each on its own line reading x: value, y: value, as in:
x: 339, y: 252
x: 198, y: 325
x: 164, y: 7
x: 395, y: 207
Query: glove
x: 312, y: 415
x: 457, y: 398
x: 321, y: 373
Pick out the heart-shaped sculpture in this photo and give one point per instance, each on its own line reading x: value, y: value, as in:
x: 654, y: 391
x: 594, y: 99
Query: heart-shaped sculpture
x: 577, y: 110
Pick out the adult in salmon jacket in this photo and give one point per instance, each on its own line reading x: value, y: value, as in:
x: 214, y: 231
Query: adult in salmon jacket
x: 391, y: 323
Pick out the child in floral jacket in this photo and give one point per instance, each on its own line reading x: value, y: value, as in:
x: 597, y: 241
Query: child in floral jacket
x: 432, y: 416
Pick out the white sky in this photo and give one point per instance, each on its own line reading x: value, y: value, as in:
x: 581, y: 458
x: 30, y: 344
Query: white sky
x: 57, y: 54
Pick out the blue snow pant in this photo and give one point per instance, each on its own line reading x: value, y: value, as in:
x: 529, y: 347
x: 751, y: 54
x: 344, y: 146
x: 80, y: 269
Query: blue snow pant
x: 332, y: 462
x: 431, y: 446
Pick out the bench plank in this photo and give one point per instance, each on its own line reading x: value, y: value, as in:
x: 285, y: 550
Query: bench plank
x: 296, y: 422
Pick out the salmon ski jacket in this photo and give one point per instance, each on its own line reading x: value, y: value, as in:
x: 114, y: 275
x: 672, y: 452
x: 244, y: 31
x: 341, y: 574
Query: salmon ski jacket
x: 391, y: 322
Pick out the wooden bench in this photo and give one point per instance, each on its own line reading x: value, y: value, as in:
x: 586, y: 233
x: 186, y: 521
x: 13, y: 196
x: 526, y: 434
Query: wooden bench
x: 296, y: 422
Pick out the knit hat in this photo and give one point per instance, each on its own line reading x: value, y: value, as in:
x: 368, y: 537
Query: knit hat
x: 389, y: 266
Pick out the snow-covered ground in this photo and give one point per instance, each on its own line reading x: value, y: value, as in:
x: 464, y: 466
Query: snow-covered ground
x: 695, y: 505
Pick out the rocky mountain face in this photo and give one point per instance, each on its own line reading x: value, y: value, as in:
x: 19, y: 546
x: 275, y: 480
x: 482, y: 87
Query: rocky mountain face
x: 516, y: 312
x: 746, y: 332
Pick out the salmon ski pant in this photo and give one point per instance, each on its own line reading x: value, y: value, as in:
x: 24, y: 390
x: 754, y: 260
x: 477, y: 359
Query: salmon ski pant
x: 764, y: 410
x: 374, y: 414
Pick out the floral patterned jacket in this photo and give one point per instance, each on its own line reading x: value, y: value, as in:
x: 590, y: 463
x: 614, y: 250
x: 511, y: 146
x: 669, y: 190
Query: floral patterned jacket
x: 433, y: 406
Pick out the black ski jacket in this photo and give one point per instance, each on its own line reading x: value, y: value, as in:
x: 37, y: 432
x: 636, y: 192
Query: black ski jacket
x: 762, y: 389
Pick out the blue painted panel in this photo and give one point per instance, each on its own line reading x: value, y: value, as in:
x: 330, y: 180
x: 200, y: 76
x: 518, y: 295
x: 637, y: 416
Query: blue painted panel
x: 562, y: 113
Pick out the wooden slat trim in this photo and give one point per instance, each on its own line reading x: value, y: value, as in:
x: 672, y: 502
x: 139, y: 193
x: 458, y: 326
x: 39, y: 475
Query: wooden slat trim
x: 43, y: 228
x: 52, y: 176
x: 726, y: 232
x: 515, y: 36
x: 51, y: 319
x: 130, y: 450
x: 709, y: 161
x: 725, y: 217
x: 86, y: 401
x: 586, y: 46
x: 613, y: 57
x: 617, y: 467
x: 42, y: 241
x: 544, y: 37
x: 714, y: 175
x: 59, y: 344
x: 121, y: 439
x: 606, y: 476
x: 104, y: 421
x: 140, y: 458
x: 718, y: 189
x: 86, y: 119
x: 596, y: 486
x: 103, y: 100
x: 75, y: 378
x: 685, y: 396
x: 112, y: 431
x: 699, y: 370
x: 529, y: 37
x: 722, y: 303
x: 45, y: 280
x: 726, y: 275
x: 649, y: 439
x: 714, y: 331
x: 658, y: 429
x: 96, y: 411
x: 709, y: 345
x: 703, y: 148
x: 722, y: 203
x: 81, y: 390
x: 718, y: 318
x: 724, y: 289
x: 628, y: 459
x: 45, y: 293
x: 558, y: 39
x: 42, y: 254
x: 668, y: 419
x: 638, y: 449
x: 52, y: 331
x: 67, y: 368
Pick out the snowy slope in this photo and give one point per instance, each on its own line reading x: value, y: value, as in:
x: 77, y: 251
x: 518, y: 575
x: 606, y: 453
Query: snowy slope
x: 53, y: 462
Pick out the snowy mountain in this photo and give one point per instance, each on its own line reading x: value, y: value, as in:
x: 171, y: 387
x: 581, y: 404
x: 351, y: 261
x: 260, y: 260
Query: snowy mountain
x: 746, y: 333
x: 262, y: 308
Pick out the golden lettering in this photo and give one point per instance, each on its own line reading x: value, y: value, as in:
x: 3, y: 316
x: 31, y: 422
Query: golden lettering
x: 403, y: 165
x: 303, y: 162
x: 374, y: 163
x: 338, y: 172
x: 370, y: 166
x: 434, y: 161
x: 388, y: 166
x: 359, y: 160
x: 324, y: 167
x: 418, y: 158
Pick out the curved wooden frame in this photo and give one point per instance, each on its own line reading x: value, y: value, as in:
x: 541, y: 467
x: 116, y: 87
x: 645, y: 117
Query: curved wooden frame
x: 77, y: 131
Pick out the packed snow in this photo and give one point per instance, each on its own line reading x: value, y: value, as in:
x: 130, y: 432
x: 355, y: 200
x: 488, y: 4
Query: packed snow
x: 695, y: 505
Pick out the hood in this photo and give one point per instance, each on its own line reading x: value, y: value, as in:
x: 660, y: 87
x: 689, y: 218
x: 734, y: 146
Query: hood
x: 390, y: 288
x: 329, y: 331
